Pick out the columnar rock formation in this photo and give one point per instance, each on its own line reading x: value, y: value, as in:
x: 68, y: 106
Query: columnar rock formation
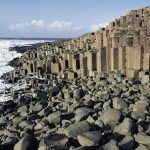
x: 106, y: 112
x: 123, y: 45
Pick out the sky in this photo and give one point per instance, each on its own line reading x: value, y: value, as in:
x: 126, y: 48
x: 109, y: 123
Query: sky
x: 60, y: 18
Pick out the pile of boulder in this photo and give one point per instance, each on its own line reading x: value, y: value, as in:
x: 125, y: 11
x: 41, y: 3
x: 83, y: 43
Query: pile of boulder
x: 109, y: 112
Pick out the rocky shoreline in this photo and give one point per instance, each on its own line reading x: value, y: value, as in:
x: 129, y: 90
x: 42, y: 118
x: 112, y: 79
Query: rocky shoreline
x: 110, y: 112
x: 63, y: 99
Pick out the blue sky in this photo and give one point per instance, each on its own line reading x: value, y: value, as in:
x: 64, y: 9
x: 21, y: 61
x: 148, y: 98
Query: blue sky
x: 60, y: 18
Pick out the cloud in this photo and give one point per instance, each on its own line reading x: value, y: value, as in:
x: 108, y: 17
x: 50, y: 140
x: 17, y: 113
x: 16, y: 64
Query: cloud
x: 39, y: 23
x: 78, y: 27
x: 95, y: 27
x: 59, y: 24
x: 18, y: 26
x: 57, y: 28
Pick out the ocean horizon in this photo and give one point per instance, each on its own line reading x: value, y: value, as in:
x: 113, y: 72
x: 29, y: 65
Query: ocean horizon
x: 16, y: 38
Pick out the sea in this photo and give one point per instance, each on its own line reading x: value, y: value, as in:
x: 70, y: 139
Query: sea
x: 6, y: 56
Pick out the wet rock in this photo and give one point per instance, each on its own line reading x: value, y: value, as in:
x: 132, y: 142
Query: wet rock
x: 55, y: 117
x: 23, y: 109
x: 90, y: 120
x: 107, y: 105
x: 127, y: 143
x: 73, y: 106
x: 42, y: 148
x: 142, y: 147
x: 82, y: 148
x: 143, y: 125
x: 45, y: 112
x: 99, y: 123
x: 82, y: 113
x: 123, y: 128
x: 9, y: 104
x: 142, y: 138
x: 8, y: 144
x: 27, y: 143
x: 54, y: 90
x: 77, y: 94
x: 37, y: 108
x: 111, y: 116
x: 112, y: 145
x: 56, y: 141
x: 41, y: 125
x: 77, y: 128
x: 91, y: 138
x: 145, y: 79
x: 66, y: 123
x: 139, y: 109
x: 119, y: 104
x: 24, y: 124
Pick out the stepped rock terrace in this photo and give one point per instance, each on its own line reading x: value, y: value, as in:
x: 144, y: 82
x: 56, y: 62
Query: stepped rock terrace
x: 123, y: 45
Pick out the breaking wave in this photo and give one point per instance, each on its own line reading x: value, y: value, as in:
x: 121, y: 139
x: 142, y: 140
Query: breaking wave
x: 6, y: 56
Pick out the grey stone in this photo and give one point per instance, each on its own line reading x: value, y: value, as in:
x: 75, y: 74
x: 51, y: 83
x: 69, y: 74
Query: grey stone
x: 127, y: 143
x: 82, y: 113
x: 66, y: 123
x: 139, y: 109
x: 111, y: 145
x: 23, y: 109
x: 56, y: 141
x: 45, y: 112
x: 111, y: 116
x: 90, y: 138
x: 77, y: 128
x: 27, y: 143
x: 119, y: 104
x: 99, y: 123
x: 37, y: 108
x: 55, y: 117
x: 107, y: 105
x: 82, y: 148
x: 140, y: 106
x: 24, y: 124
x: 123, y: 128
x: 76, y: 94
x: 8, y: 143
x: 145, y: 79
x: 54, y: 89
x: 142, y: 138
x: 40, y: 125
x: 142, y: 147
x: 73, y: 106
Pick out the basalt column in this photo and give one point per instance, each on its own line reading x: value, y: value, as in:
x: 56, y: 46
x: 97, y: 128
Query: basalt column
x: 94, y: 63
x: 121, y: 57
x: 81, y: 64
x: 64, y: 62
x: 70, y: 59
x: 138, y: 63
x: 76, y: 63
x: 103, y: 59
x: 109, y: 46
x: 114, y: 59
x: 146, y: 61
x: 89, y: 59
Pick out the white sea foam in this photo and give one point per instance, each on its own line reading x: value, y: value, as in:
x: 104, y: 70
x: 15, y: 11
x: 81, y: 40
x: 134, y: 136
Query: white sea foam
x: 6, y: 56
